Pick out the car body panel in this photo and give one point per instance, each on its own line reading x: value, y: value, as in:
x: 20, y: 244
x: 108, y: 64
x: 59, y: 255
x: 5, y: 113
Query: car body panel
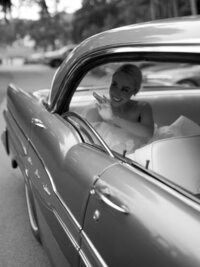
x: 21, y: 106
x: 50, y: 241
x: 169, y: 31
x: 58, y: 179
x: 94, y: 206
x: 151, y: 212
x: 152, y: 36
x: 167, y: 157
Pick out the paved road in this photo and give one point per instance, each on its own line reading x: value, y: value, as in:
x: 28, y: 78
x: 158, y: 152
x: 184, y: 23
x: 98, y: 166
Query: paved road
x: 28, y: 77
x: 18, y: 247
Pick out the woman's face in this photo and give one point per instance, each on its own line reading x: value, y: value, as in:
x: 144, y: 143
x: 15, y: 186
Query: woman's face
x: 121, y: 89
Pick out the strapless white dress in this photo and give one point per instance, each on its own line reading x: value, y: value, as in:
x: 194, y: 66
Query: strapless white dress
x: 117, y: 138
x: 183, y: 126
x: 120, y: 140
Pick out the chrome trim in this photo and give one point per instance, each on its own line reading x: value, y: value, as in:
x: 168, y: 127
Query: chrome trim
x: 30, y: 214
x: 122, y: 209
x: 96, y: 215
x: 46, y: 189
x: 94, y: 250
x: 84, y: 258
x: 37, y: 122
x: 106, y: 168
x: 36, y: 172
x: 4, y: 139
x: 69, y: 211
x: 30, y: 160
x: 26, y: 172
x: 167, y: 187
x: 66, y: 230
x: 189, y: 48
x: 48, y: 174
x: 20, y: 130
x: 72, y: 239
x: 87, y: 124
x: 54, y: 188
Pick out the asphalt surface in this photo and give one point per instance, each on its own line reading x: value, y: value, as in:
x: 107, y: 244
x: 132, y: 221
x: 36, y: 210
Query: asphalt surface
x: 18, y: 247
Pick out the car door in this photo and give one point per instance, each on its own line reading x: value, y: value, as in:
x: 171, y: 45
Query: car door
x: 21, y: 106
x: 65, y: 164
x: 133, y: 219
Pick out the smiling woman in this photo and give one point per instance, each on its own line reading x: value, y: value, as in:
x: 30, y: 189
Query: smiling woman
x: 123, y: 118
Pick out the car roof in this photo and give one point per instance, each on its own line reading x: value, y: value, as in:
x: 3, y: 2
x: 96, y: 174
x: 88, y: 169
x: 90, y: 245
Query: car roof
x: 169, y: 31
x: 177, y: 31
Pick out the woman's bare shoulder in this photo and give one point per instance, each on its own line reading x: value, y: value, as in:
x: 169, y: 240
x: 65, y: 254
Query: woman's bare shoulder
x: 144, y: 105
x: 138, y: 107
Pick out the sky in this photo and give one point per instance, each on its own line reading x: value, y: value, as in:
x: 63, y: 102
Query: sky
x: 32, y: 12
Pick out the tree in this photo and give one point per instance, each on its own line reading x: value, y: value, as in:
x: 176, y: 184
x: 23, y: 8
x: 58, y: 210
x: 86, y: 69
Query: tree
x: 193, y: 6
x: 6, y: 7
x: 7, y: 34
x: 95, y: 16
x: 44, y: 12
x: 159, y: 9
x: 48, y: 32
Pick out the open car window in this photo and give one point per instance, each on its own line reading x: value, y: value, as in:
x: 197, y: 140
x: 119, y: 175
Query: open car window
x: 156, y: 75
x: 172, y: 152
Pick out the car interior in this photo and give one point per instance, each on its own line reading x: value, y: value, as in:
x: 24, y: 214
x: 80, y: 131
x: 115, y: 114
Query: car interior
x: 173, y: 156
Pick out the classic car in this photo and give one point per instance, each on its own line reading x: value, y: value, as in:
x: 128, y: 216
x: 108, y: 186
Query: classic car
x: 88, y: 204
x: 54, y: 58
x: 182, y: 73
x: 34, y: 58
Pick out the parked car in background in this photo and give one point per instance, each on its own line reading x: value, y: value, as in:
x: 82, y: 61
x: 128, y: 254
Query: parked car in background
x: 184, y: 74
x: 35, y: 58
x: 56, y: 57
x: 89, y: 204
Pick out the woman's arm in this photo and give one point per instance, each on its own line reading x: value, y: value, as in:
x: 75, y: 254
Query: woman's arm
x: 144, y: 128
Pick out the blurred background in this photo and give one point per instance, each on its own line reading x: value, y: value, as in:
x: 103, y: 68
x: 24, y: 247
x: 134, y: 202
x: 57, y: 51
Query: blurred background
x: 31, y: 30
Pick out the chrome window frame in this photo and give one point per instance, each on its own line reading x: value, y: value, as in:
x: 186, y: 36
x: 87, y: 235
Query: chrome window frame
x: 112, y: 54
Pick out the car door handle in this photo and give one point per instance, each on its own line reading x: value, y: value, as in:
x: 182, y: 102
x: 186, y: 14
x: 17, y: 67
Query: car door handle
x: 38, y: 123
x: 104, y: 196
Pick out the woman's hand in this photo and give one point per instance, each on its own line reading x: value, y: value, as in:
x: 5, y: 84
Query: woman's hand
x: 101, y: 99
x: 105, y: 111
x: 104, y: 108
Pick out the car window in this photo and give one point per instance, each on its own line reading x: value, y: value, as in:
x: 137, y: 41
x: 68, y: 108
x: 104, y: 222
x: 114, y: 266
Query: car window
x: 184, y: 75
x: 157, y: 76
x: 97, y: 82
x: 176, y: 131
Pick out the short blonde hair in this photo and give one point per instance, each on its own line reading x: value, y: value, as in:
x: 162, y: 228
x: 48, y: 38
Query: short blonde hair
x: 134, y: 72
